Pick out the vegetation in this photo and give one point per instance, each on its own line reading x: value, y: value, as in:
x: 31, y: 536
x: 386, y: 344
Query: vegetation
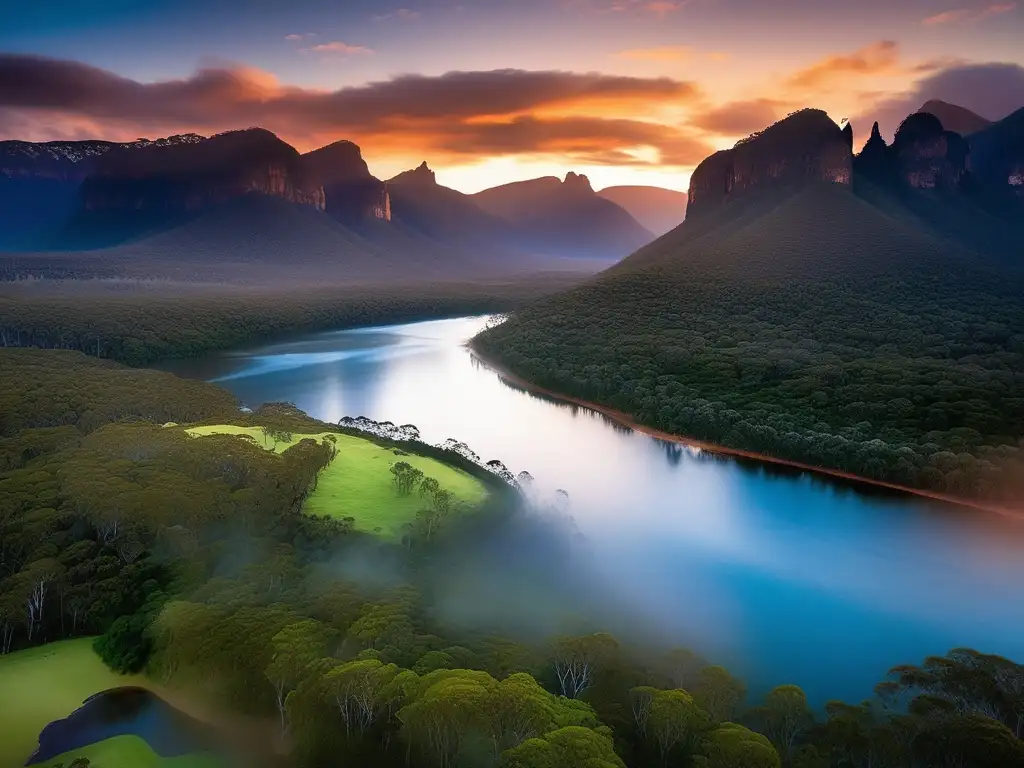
x: 128, y: 752
x: 194, y: 561
x: 815, y: 330
x: 140, y: 324
x: 358, y: 485
x: 44, y: 684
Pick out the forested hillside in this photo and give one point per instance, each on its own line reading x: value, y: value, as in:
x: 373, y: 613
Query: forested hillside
x: 194, y: 562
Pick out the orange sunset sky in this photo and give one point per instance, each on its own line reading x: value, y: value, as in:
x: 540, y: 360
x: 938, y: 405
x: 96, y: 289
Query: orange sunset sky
x: 626, y: 91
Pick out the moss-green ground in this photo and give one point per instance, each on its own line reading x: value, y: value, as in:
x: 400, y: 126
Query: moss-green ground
x: 132, y: 752
x: 358, y: 483
x: 40, y: 685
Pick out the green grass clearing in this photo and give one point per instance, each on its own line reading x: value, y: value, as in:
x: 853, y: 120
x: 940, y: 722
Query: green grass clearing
x: 132, y: 752
x: 43, y: 684
x: 358, y: 483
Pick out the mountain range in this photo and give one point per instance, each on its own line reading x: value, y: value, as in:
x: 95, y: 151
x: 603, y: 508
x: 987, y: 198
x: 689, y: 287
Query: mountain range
x: 858, y: 312
x: 248, y: 201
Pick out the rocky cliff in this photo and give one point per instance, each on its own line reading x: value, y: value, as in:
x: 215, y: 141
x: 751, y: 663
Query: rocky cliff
x: 188, y: 176
x: 805, y: 147
x: 923, y: 155
x: 352, y: 194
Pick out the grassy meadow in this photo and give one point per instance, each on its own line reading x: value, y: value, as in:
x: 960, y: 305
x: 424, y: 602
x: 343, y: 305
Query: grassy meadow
x: 358, y: 483
x: 43, y: 684
x: 132, y: 752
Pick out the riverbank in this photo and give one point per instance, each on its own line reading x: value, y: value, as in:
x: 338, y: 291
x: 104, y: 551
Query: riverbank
x: 627, y: 420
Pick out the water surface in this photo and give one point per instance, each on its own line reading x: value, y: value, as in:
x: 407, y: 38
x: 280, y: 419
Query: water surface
x: 784, y: 576
x: 124, y: 712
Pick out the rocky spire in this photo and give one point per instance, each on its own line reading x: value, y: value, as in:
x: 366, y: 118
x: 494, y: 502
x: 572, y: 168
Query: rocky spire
x: 577, y: 181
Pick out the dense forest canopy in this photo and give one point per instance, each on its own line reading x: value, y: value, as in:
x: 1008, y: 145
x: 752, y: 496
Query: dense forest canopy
x: 192, y: 560
x: 139, y: 323
x: 811, y: 329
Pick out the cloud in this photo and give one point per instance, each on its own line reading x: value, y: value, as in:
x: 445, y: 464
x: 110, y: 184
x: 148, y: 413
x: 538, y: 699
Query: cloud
x: 339, y: 48
x: 740, y: 118
x: 878, y: 58
x: 960, y: 15
x: 399, y: 14
x: 662, y: 7
x: 299, y: 36
x: 458, y: 114
x: 661, y: 53
x: 992, y: 90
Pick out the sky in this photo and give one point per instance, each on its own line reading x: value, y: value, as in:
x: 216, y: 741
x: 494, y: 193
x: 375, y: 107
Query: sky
x: 493, y: 91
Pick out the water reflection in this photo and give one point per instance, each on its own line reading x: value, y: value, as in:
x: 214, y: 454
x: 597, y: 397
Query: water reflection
x: 124, y: 712
x: 788, y: 576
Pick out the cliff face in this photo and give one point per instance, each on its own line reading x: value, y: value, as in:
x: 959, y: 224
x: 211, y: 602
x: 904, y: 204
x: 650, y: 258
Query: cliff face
x: 927, y: 156
x: 192, y: 175
x: 805, y: 147
x: 352, y: 194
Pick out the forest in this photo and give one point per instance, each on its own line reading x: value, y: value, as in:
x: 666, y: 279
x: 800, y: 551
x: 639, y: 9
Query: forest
x: 912, y: 377
x: 140, y: 323
x: 192, y: 559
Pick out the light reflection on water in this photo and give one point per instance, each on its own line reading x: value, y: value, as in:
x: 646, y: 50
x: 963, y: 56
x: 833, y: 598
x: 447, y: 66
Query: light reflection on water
x: 787, y: 576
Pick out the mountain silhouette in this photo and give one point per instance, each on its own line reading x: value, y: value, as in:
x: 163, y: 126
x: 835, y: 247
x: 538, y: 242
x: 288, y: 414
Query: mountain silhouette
x: 657, y: 209
x: 564, y: 217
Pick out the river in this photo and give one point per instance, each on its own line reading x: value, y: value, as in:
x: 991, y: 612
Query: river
x: 784, y: 576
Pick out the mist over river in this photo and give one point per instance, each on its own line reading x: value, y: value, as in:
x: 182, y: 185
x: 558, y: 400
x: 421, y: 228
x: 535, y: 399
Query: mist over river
x: 783, y: 576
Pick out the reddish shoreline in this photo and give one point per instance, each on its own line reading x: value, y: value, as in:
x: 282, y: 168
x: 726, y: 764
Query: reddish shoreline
x: 627, y: 421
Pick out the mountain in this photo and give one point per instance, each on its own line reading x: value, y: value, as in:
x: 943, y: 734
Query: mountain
x: 816, y: 307
x: 997, y: 154
x: 655, y: 208
x: 805, y: 147
x: 955, y: 118
x: 564, y: 217
x: 39, y: 182
x: 352, y: 194
x: 422, y: 205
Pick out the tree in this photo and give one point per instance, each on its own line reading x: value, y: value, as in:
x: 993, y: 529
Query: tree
x: 295, y: 647
x: 674, y: 720
x: 358, y: 689
x: 570, y: 746
x: 405, y: 477
x: 733, y: 746
x: 718, y: 693
x: 429, y: 486
x: 36, y: 580
x: 449, y: 705
x: 577, y: 659
x: 784, y: 716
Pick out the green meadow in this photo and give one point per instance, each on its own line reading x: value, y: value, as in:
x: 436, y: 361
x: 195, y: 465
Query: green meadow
x: 132, y: 752
x: 359, y: 483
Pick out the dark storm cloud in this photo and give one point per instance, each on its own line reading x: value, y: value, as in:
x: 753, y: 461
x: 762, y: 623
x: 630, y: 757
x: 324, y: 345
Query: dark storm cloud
x: 487, y: 112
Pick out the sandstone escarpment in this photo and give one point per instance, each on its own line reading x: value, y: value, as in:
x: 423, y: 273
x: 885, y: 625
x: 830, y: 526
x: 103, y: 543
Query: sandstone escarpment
x: 352, y: 194
x: 927, y: 156
x: 69, y: 160
x: 192, y: 176
x: 805, y: 147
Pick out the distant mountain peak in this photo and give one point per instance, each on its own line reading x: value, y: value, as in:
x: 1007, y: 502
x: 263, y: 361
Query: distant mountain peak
x: 421, y: 174
x: 577, y: 181
x: 954, y: 117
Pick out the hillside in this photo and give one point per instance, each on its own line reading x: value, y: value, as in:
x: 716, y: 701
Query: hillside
x: 830, y: 323
x: 655, y: 208
x: 564, y: 217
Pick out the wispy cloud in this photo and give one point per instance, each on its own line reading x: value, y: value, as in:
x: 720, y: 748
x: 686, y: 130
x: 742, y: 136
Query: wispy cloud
x: 399, y: 14
x: 338, y: 48
x: 660, y: 53
x: 662, y: 7
x: 295, y: 36
x: 877, y: 59
x: 960, y: 15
